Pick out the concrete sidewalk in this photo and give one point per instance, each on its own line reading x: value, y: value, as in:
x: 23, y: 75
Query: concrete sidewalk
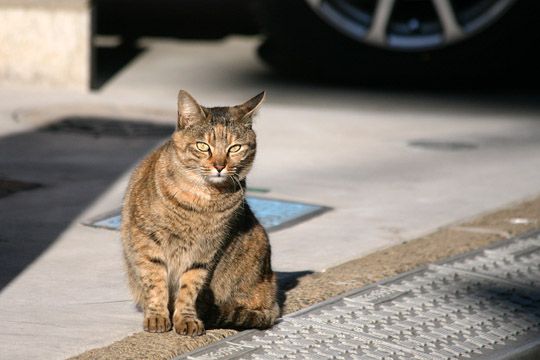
x: 310, y: 290
x: 393, y: 166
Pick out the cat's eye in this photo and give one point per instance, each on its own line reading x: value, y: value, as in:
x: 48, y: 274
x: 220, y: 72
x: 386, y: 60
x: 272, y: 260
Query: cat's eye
x: 202, y: 146
x: 235, y: 148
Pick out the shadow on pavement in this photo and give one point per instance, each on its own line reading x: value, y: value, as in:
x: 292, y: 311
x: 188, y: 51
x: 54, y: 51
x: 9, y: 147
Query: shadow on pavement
x: 511, y: 310
x: 108, y: 61
x: 72, y: 169
x: 288, y: 281
x: 185, y: 19
x: 58, y: 171
x: 129, y: 20
x: 517, y: 98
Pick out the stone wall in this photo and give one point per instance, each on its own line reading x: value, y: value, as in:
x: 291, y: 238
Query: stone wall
x: 46, y: 42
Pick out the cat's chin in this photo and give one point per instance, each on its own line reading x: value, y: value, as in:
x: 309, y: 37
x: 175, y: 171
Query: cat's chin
x: 217, y: 180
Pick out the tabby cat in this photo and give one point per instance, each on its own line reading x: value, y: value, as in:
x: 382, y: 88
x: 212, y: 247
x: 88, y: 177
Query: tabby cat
x: 192, y: 246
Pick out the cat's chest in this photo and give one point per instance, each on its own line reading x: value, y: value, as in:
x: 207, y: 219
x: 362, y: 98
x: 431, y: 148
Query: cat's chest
x: 186, y: 227
x: 193, y: 239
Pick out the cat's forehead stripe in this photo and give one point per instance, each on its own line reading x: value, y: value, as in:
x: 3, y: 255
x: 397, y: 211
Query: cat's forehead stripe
x: 219, y: 132
x: 220, y: 115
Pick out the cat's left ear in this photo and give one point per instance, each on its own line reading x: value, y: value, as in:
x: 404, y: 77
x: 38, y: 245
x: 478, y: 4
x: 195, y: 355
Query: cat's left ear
x: 248, y: 109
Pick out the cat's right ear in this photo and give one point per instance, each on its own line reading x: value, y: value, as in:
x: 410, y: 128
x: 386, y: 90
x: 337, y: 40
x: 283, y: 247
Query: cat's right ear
x: 189, y: 111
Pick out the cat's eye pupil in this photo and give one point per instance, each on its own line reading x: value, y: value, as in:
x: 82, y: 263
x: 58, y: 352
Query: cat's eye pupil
x: 234, y: 148
x: 202, y: 146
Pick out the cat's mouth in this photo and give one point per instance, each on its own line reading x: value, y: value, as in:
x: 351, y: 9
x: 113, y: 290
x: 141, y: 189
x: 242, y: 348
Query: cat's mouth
x: 217, y: 177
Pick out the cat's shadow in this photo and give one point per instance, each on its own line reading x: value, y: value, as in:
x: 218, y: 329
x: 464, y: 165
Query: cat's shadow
x: 288, y: 281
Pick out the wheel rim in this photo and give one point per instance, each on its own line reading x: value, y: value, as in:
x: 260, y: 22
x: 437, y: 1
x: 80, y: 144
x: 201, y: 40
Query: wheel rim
x: 410, y: 24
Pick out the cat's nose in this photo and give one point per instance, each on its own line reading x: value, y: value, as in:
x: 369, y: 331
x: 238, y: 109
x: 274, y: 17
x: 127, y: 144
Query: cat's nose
x: 219, y: 167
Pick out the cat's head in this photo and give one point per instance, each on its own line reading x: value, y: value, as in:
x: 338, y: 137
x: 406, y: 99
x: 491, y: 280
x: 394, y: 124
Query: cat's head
x: 216, y: 145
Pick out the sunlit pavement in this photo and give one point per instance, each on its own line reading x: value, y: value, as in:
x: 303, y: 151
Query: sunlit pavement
x: 480, y: 306
x: 392, y: 165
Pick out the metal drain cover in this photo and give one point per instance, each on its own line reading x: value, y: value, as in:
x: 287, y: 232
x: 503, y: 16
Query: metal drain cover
x: 484, y: 305
x: 97, y: 127
x: 273, y: 214
x: 443, y: 145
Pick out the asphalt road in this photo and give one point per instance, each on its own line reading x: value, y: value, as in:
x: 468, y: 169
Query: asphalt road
x: 392, y: 164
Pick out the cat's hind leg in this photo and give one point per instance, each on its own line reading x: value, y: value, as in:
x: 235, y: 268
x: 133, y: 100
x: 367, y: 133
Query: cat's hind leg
x: 255, y: 310
x: 241, y: 317
x: 243, y: 284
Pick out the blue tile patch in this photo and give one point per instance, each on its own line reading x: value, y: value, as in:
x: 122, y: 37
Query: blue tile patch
x: 272, y: 213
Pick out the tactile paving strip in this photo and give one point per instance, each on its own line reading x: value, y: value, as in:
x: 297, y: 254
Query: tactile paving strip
x: 484, y: 305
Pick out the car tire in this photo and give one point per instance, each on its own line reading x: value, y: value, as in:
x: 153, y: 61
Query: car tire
x: 300, y: 43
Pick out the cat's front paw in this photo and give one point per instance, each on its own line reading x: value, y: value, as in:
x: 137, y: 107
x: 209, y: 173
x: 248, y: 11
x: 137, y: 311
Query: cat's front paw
x: 156, y: 323
x: 188, y: 325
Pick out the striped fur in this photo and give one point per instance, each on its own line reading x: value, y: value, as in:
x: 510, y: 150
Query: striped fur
x: 193, y: 249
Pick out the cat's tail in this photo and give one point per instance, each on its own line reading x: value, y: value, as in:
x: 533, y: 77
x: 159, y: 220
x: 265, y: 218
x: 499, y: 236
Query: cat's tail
x: 244, y: 318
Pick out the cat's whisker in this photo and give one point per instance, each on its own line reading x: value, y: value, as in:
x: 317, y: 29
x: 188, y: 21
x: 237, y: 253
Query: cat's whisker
x: 237, y: 181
